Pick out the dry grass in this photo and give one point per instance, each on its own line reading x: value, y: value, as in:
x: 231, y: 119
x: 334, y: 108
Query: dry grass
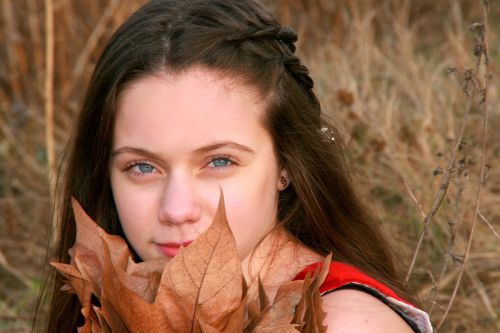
x: 381, y: 73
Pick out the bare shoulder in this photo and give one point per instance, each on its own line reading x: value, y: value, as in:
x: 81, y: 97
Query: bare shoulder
x: 354, y: 311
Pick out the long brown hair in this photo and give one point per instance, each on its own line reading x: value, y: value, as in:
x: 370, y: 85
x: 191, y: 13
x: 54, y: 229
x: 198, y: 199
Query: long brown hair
x: 238, y: 39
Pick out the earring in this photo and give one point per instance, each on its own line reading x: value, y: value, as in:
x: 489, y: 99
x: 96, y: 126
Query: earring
x: 284, y: 182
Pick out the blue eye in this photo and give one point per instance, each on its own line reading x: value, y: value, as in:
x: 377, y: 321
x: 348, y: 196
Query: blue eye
x: 140, y: 168
x: 145, y: 168
x: 220, y: 162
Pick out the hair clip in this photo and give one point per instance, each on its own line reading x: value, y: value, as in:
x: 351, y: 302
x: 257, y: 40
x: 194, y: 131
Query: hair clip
x: 327, y: 134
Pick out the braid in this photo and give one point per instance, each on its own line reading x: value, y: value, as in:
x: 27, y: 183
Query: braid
x: 301, y: 74
x: 290, y: 62
x: 298, y: 71
x: 258, y: 33
x: 283, y: 34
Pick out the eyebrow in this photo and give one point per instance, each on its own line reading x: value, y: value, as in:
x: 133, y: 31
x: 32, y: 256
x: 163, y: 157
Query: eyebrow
x: 224, y: 144
x: 204, y: 149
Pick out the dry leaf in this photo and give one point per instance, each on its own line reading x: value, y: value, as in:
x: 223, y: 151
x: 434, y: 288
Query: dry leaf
x: 256, y: 307
x: 207, y: 277
x: 200, y: 290
x: 283, y: 309
x: 310, y: 313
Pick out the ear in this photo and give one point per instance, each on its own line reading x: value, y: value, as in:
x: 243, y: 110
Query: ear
x: 283, y: 180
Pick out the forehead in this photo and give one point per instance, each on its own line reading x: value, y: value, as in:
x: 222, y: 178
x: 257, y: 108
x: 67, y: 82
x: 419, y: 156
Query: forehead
x: 190, y: 108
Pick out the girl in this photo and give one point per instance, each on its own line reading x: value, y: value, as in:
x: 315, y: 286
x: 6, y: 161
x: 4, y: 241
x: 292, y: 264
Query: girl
x: 190, y: 96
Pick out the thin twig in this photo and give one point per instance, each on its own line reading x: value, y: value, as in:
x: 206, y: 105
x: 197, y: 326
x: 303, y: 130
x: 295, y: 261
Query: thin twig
x: 442, y: 283
x: 413, y: 197
x: 36, y: 38
x: 452, y: 225
x: 10, y: 45
x: 6, y: 317
x: 14, y: 271
x: 485, y: 220
x: 484, y: 109
x: 21, y: 152
x: 443, y: 186
x: 481, y: 290
x: 49, y: 92
x: 90, y: 45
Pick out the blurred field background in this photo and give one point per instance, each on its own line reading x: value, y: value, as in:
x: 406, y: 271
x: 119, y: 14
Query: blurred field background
x: 386, y: 71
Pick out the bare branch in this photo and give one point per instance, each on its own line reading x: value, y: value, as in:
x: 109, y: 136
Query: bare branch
x: 484, y: 109
x: 485, y: 220
x: 443, y: 187
x: 481, y: 290
x: 49, y: 92
x: 90, y: 45
x: 413, y: 198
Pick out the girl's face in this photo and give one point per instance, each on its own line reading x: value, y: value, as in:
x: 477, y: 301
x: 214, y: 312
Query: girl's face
x: 177, y: 141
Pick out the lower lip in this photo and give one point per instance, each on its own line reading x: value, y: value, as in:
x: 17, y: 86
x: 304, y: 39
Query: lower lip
x: 170, y: 250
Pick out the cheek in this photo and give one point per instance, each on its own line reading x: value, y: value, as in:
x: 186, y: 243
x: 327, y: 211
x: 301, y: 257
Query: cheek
x: 251, y: 211
x: 134, y: 208
x: 250, y: 196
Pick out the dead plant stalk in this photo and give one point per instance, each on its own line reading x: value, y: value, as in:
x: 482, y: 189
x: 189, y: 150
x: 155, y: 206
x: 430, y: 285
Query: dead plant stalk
x: 452, y: 225
x: 482, y: 46
x: 49, y: 92
x: 445, y: 182
x: 90, y: 46
x: 488, y: 223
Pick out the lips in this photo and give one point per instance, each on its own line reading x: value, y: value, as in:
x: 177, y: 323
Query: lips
x: 171, y: 249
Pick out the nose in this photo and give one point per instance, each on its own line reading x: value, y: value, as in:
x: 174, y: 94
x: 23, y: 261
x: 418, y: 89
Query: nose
x: 179, y: 203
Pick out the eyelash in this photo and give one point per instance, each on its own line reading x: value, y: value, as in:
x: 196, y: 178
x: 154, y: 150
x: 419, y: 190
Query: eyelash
x: 129, y: 167
x: 138, y: 163
x: 221, y: 157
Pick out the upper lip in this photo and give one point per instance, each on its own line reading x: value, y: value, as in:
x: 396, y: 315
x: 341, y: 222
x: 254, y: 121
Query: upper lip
x: 176, y: 244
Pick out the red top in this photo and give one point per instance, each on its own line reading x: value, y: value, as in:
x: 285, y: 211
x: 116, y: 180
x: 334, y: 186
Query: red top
x: 341, y: 275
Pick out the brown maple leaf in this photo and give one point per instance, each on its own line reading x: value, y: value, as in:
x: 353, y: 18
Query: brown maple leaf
x: 200, y: 290
x: 309, y: 313
x: 206, y: 277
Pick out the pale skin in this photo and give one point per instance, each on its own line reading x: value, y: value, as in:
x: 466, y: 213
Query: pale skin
x: 180, y: 139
